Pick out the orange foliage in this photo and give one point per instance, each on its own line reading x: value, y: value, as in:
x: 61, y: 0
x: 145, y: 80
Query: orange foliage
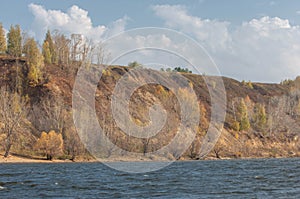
x: 51, y: 144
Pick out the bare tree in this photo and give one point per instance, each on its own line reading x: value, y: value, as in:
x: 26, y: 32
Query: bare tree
x: 62, y: 45
x: 12, y: 113
x: 48, y: 115
x: 54, y: 111
x: 75, y: 44
x: 72, y: 143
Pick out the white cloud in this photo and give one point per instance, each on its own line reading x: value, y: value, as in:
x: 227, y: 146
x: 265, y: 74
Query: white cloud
x: 118, y: 26
x: 265, y: 49
x: 206, y: 30
x: 75, y: 20
x: 298, y: 12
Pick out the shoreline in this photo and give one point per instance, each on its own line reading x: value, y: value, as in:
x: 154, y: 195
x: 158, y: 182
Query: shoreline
x: 11, y: 159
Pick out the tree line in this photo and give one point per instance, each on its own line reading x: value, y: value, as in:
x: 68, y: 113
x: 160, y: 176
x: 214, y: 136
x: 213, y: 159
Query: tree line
x: 18, y: 118
x: 67, y: 52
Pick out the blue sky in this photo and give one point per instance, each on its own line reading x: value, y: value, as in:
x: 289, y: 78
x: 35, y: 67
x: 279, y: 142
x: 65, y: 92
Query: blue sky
x: 104, y: 12
x: 256, y: 40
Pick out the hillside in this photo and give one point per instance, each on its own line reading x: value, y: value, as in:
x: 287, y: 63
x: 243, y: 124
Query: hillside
x: 262, y: 120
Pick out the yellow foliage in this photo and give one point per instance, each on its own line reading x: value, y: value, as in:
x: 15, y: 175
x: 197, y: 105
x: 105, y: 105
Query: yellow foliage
x: 191, y: 85
x: 106, y: 72
x: 236, y: 135
x: 160, y: 89
x: 235, y: 126
x: 50, y: 143
x: 47, y: 53
x: 35, y: 61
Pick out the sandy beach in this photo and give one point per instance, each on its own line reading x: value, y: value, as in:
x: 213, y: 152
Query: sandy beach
x: 19, y: 159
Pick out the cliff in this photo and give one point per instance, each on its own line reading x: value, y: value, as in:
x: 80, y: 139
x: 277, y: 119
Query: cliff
x: 262, y: 120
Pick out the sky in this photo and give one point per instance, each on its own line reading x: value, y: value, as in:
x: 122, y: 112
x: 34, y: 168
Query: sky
x: 257, y: 40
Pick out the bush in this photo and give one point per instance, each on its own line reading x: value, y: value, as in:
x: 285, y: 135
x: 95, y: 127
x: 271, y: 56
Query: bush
x: 182, y: 70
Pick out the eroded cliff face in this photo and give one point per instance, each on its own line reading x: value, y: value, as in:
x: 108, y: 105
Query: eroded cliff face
x: 262, y: 120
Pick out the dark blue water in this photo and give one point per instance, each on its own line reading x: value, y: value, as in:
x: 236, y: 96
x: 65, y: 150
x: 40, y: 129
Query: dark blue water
x: 270, y: 178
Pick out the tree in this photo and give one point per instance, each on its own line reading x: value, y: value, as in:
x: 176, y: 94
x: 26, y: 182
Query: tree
x: 235, y: 125
x: 35, y: 62
x: 134, y: 64
x: 243, y: 116
x: 50, y: 46
x: 2, y: 39
x: 182, y: 70
x: 50, y: 143
x: 47, y: 53
x: 62, y: 49
x: 260, y: 117
x: 76, y: 42
x: 14, y: 43
x: 220, y: 147
x: 72, y: 143
x: 49, y: 114
x: 12, y: 113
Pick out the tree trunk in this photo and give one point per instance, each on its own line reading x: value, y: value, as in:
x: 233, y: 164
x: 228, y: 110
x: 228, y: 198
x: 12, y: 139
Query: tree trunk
x: 73, y: 157
x: 49, y: 157
x: 7, y: 150
x: 217, y: 154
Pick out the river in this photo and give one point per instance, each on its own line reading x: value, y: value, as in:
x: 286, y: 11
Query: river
x: 256, y: 178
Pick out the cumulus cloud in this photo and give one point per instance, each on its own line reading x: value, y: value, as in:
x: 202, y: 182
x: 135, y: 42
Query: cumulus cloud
x: 204, y: 30
x: 264, y: 49
x: 75, y: 20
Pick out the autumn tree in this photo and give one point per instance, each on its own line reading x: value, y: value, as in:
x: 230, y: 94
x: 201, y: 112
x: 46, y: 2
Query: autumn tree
x: 14, y: 43
x: 35, y: 62
x: 76, y: 43
x: 46, y: 53
x: 242, y: 115
x: 2, y: 39
x: 235, y: 125
x: 260, y: 117
x: 12, y: 114
x: 49, y: 49
x: 72, y: 143
x: 62, y: 49
x: 51, y: 144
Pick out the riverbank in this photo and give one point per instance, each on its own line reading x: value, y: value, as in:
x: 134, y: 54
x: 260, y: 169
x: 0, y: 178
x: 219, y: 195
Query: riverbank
x: 24, y: 159
x: 19, y: 159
